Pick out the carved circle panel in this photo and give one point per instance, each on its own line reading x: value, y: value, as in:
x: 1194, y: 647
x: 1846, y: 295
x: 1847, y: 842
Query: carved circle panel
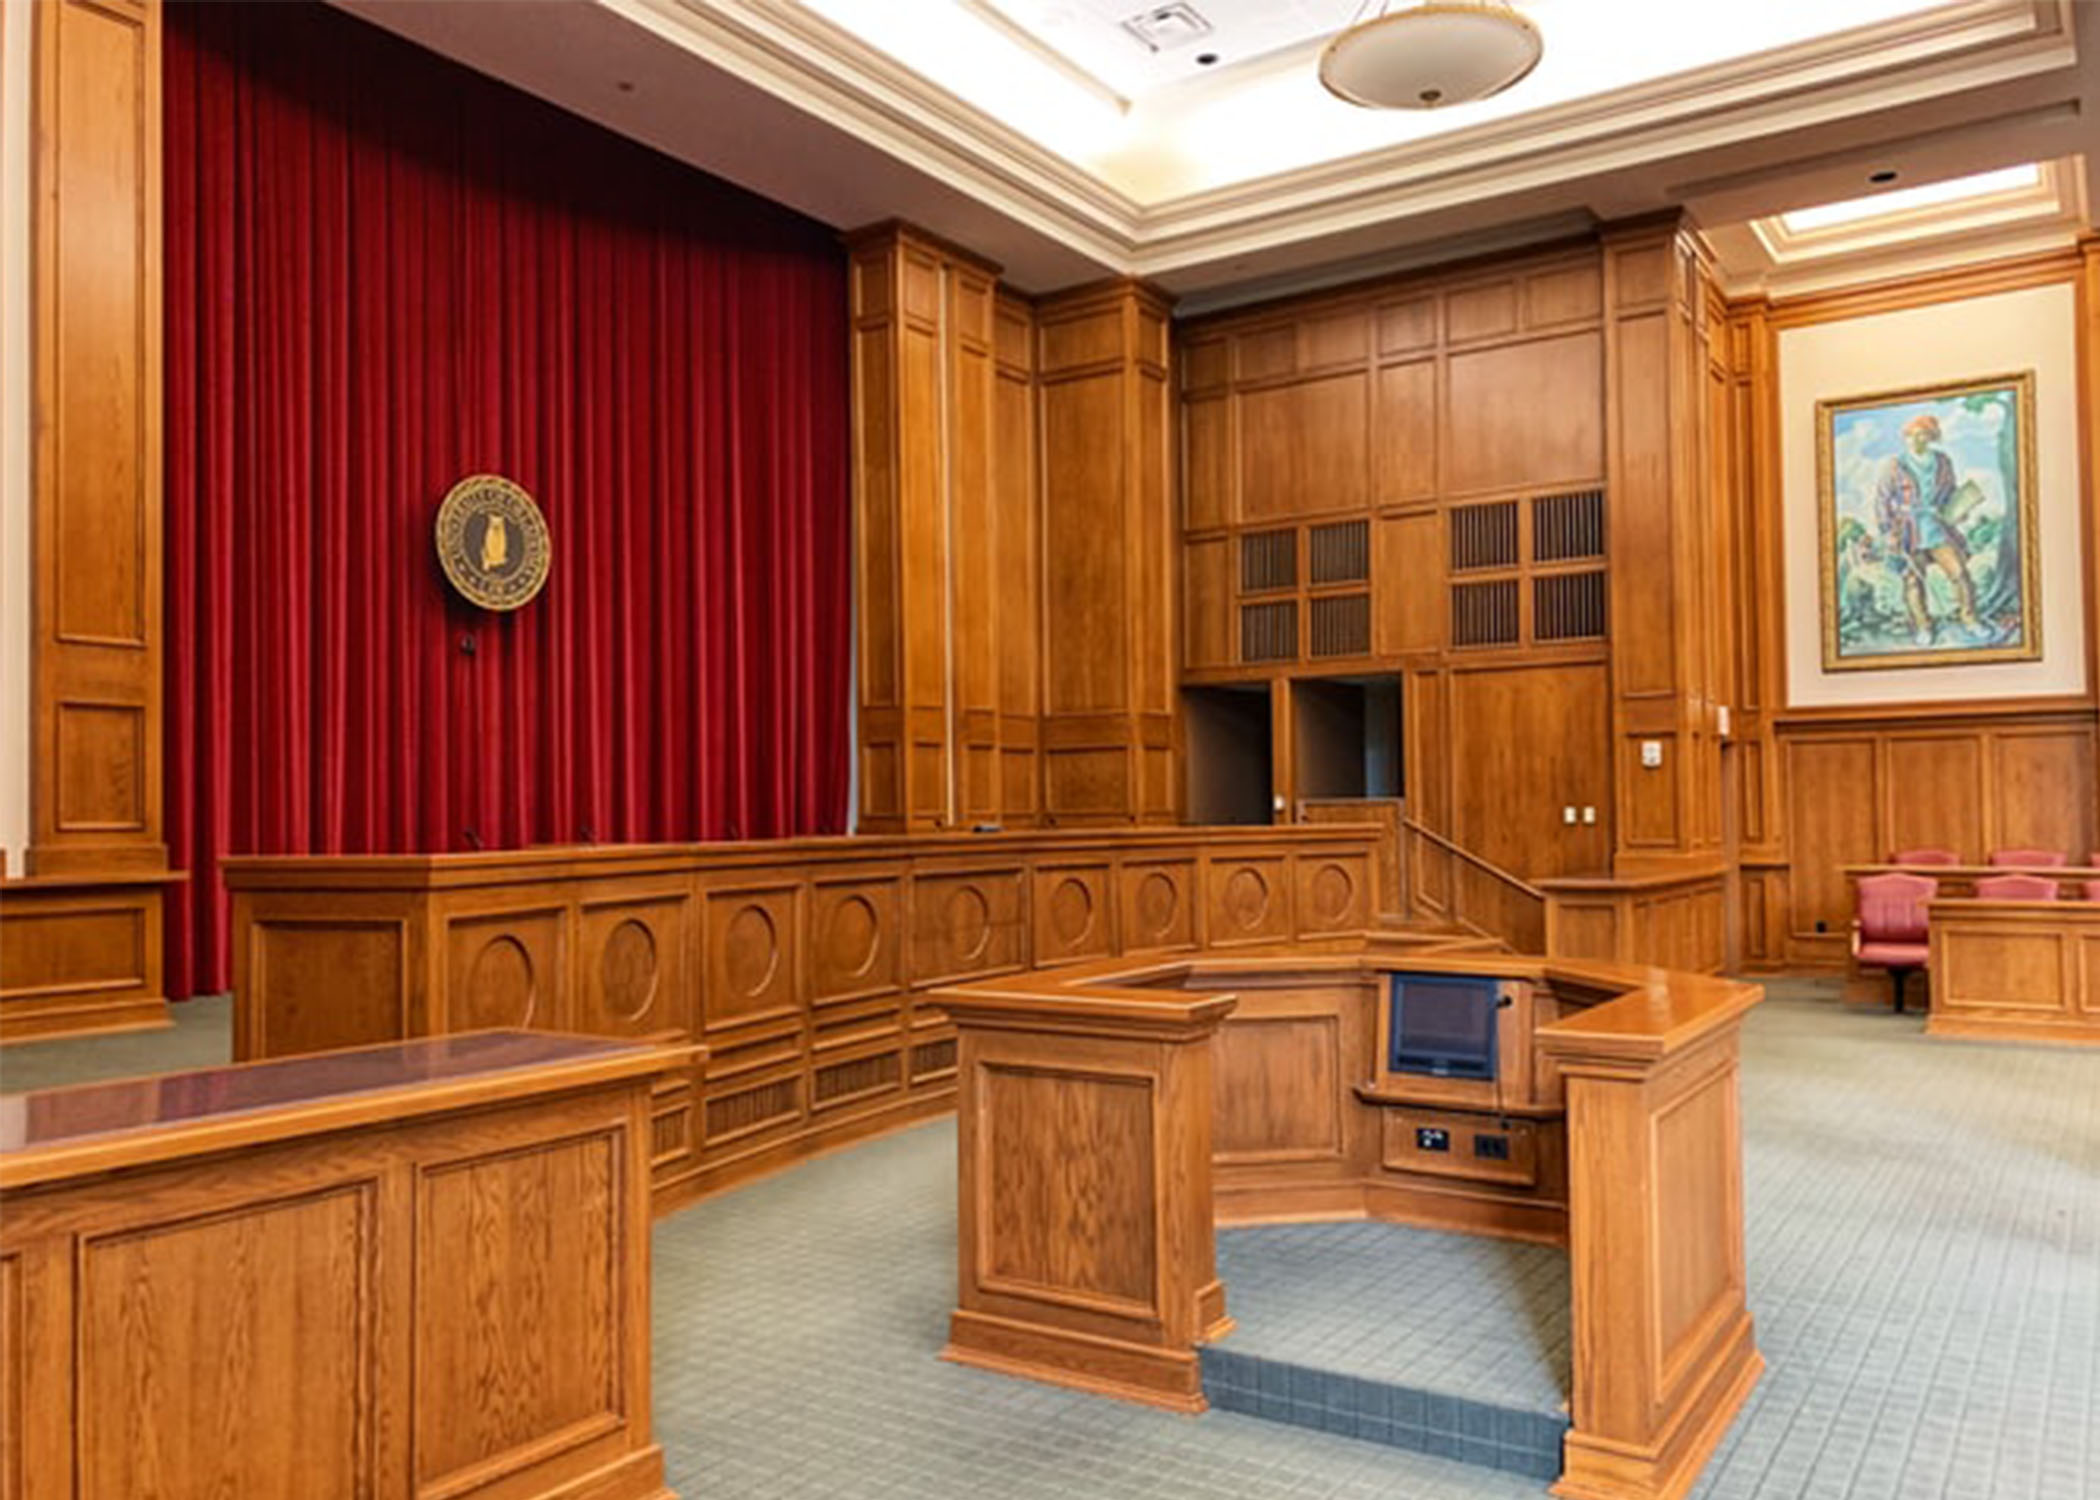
x: 1333, y: 889
x: 627, y: 971
x: 1247, y: 899
x: 1071, y: 911
x: 853, y: 937
x: 969, y: 923
x: 501, y: 987
x: 1158, y: 902
x: 750, y: 951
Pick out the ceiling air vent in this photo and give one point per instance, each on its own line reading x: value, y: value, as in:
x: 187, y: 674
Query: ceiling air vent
x: 1165, y: 27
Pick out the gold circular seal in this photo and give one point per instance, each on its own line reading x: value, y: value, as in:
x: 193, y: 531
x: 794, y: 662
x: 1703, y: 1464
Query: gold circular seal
x: 492, y: 541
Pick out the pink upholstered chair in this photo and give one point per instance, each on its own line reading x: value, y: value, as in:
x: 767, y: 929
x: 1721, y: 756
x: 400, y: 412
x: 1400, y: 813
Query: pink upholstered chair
x: 2031, y: 859
x: 1924, y: 857
x: 2016, y: 888
x: 1891, y: 929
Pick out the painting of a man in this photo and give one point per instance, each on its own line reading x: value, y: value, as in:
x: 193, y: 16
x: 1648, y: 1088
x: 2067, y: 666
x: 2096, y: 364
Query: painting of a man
x: 1926, y: 504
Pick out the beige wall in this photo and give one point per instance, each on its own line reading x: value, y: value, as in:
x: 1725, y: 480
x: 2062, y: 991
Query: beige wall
x: 15, y: 87
x: 2034, y: 329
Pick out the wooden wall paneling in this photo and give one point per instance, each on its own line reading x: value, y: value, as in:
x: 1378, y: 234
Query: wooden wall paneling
x: 1018, y: 547
x: 80, y: 955
x: 974, y: 522
x: 878, y: 536
x: 633, y: 954
x: 350, y: 970
x: 969, y: 920
x: 1405, y: 432
x: 1247, y: 899
x: 1524, y: 415
x: 1933, y: 794
x: 1111, y: 570
x: 2043, y: 789
x: 1527, y: 742
x: 1660, y: 548
x: 1407, y: 586
x: 1833, y: 791
x: 1333, y: 893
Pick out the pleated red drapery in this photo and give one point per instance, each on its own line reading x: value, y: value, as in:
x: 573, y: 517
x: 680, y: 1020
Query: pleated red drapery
x: 385, y: 272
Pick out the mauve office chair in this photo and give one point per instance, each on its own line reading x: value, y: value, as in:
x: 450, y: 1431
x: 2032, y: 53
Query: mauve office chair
x: 2016, y: 888
x: 1891, y: 927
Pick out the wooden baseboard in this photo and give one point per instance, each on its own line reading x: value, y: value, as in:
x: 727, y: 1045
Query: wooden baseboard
x: 1106, y: 1367
x: 2027, y: 1033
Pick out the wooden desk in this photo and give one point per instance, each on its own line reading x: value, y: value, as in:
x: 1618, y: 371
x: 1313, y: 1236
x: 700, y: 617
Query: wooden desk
x: 1869, y: 984
x: 801, y: 963
x: 1110, y: 1110
x: 409, y: 1270
x: 2019, y: 971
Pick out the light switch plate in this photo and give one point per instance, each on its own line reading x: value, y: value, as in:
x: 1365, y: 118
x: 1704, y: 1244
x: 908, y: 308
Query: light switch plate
x: 1651, y: 754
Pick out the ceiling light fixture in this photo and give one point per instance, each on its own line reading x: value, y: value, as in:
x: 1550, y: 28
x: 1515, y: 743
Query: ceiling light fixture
x: 1431, y: 54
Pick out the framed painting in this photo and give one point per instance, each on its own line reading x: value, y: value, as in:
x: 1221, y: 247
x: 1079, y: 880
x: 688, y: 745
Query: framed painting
x: 1926, y: 509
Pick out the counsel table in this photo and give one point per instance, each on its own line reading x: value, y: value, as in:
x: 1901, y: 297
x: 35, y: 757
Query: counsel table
x: 413, y: 1269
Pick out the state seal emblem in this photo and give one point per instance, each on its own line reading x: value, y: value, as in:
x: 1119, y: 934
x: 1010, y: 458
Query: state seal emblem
x: 492, y: 542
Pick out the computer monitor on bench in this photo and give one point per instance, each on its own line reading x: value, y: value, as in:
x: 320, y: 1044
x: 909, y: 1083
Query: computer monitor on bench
x: 1443, y: 1025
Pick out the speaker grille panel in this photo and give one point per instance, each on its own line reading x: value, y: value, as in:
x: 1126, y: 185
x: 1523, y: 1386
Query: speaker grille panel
x: 1484, y: 614
x: 1340, y: 625
x: 1568, y: 607
x: 1484, y: 536
x: 1565, y: 527
x: 1268, y: 560
x: 1269, y: 632
x: 1340, y: 553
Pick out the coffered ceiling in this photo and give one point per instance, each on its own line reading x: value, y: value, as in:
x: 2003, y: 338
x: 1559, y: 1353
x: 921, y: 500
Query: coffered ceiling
x: 1051, y: 137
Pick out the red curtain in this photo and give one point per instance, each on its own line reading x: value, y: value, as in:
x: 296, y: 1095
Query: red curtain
x: 385, y: 272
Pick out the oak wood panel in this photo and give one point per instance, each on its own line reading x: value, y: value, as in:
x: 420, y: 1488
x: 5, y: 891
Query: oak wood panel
x: 1247, y: 900
x: 799, y: 960
x: 1525, y: 746
x: 1279, y: 1088
x: 339, y: 1295
x: 1529, y: 414
x: 1304, y: 448
x: 96, y: 520
x: 2024, y: 971
x: 81, y: 957
x: 1405, y: 433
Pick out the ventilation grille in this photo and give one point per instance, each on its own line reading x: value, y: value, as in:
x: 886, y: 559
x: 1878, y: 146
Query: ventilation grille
x: 1484, y: 536
x: 1567, y: 607
x: 738, y: 1114
x: 1340, y: 626
x: 1567, y: 526
x: 931, y: 1058
x: 864, y: 1075
x: 1268, y: 560
x: 1269, y: 632
x: 1340, y: 553
x: 1484, y: 614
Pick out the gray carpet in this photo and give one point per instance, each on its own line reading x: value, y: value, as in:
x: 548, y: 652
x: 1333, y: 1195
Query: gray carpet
x: 1924, y: 1257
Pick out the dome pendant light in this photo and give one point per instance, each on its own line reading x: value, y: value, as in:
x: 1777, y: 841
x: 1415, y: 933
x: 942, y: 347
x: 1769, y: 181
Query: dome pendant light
x: 1431, y: 54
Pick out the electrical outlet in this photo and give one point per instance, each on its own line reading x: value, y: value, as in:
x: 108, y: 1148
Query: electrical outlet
x: 1429, y: 1138
x: 1491, y: 1147
x: 1589, y: 815
x: 1651, y: 754
x: 1567, y: 815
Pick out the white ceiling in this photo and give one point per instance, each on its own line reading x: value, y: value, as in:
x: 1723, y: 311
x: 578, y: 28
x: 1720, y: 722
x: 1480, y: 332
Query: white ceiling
x: 1213, y: 183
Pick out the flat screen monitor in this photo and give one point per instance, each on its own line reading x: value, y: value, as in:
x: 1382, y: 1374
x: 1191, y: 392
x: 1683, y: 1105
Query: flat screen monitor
x: 1443, y: 1025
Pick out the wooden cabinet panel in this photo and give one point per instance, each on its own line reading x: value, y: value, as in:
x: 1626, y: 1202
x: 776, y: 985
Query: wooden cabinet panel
x: 339, y: 983
x: 751, y: 942
x: 2044, y: 790
x: 634, y: 956
x: 520, y: 1267
x: 1158, y: 905
x: 507, y: 969
x: 1084, y: 551
x: 1406, y: 433
x: 241, y: 1338
x: 1304, y: 448
x: 1334, y: 894
x: 1247, y: 901
x: 856, y: 938
x: 1525, y: 744
x: 1407, y: 587
x: 1074, y: 913
x: 1280, y: 1088
x: 967, y: 922
x: 1528, y: 414
x: 1206, y: 463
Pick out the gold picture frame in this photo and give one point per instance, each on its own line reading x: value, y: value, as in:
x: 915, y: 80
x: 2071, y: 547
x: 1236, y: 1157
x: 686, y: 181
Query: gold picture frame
x: 1927, y: 526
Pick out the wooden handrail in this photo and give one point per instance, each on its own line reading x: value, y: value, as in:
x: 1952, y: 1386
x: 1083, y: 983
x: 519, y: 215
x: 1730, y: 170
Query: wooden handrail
x: 1516, y: 882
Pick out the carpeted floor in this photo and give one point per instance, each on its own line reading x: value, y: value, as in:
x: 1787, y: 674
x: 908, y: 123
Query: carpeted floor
x: 1924, y: 1260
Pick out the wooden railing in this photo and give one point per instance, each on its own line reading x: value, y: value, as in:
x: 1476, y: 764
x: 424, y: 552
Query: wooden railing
x: 1451, y: 883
